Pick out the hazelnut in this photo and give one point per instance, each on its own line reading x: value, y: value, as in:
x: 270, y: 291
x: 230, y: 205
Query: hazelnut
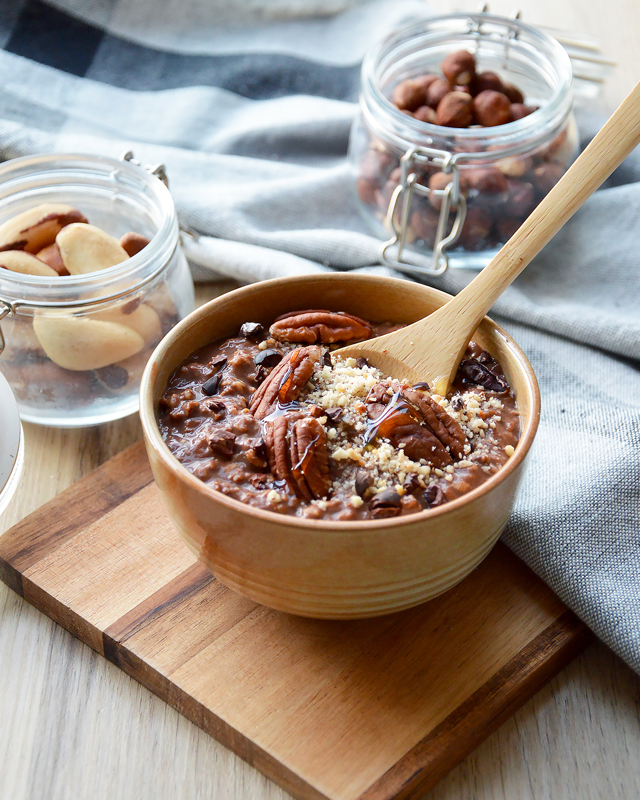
x: 464, y: 89
x: 546, y: 176
x: 425, y: 114
x: 426, y: 80
x: 424, y: 223
x: 492, y: 108
x: 521, y: 199
x: 518, y: 110
x: 486, y: 80
x: 387, y: 191
x: 367, y: 189
x: 506, y: 229
x: 459, y: 67
x: 514, y: 166
x: 455, y: 110
x: 438, y: 89
x: 374, y: 164
x: 486, y: 180
x: 477, y: 226
x: 440, y: 181
x: 560, y: 147
x: 513, y: 93
x: 409, y: 95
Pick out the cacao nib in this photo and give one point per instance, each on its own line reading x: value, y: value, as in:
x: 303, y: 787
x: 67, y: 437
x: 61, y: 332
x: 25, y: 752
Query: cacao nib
x: 211, y: 386
x: 361, y: 362
x: 222, y: 443
x: 267, y: 358
x: 326, y: 359
x: 363, y: 481
x: 386, y: 503
x: 249, y: 329
x: 216, y: 406
x: 434, y: 496
x: 421, y: 386
x: 479, y: 375
x: 259, y: 481
x: 218, y: 363
x: 260, y: 448
x: 257, y: 455
x: 334, y: 415
x: 260, y: 374
x: 411, y: 483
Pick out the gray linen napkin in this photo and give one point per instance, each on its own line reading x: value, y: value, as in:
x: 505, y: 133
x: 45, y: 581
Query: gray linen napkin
x: 249, y: 105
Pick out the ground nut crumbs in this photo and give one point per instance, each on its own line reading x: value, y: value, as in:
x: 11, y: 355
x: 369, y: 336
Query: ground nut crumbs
x: 291, y: 427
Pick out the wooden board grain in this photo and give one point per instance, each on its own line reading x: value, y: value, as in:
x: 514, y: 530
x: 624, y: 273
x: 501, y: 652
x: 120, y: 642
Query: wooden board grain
x: 363, y: 710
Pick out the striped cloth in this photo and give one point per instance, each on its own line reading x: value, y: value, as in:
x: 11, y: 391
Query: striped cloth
x: 249, y: 105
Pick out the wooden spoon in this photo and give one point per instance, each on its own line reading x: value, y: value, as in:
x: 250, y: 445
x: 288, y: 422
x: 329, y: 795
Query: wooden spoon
x: 430, y: 350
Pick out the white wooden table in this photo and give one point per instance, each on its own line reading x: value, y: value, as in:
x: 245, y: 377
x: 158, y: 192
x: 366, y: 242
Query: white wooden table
x: 73, y: 727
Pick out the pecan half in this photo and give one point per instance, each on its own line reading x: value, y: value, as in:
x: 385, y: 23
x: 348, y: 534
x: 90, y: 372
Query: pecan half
x: 310, y: 458
x: 319, y: 325
x: 445, y: 427
x: 414, y: 421
x: 286, y: 381
x: 277, y: 447
x: 420, y: 442
x: 297, y: 453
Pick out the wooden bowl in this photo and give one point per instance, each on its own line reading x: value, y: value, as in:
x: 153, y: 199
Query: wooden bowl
x: 319, y: 568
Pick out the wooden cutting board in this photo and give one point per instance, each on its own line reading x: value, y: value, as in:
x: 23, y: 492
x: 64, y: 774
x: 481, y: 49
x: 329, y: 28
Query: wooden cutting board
x: 366, y: 710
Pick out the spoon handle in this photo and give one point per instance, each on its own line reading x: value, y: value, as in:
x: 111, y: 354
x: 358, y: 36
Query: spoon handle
x: 611, y: 145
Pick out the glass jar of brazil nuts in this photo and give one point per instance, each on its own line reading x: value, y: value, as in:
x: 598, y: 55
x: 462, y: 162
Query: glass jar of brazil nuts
x: 74, y: 346
x: 492, y: 175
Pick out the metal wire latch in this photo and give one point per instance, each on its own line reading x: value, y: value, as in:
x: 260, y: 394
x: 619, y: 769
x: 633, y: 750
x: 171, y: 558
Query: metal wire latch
x: 397, y: 217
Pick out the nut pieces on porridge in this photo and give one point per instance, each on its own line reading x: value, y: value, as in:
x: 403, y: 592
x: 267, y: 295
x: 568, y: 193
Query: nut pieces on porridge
x: 273, y: 418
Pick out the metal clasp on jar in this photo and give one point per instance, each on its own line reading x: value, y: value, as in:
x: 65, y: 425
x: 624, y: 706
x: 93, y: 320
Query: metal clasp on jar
x: 397, y: 217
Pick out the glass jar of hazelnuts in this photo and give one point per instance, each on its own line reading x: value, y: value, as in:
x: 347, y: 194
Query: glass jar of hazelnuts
x: 92, y: 275
x: 465, y: 124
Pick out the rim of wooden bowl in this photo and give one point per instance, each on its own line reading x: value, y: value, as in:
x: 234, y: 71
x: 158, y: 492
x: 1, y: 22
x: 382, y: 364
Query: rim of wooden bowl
x: 154, y: 439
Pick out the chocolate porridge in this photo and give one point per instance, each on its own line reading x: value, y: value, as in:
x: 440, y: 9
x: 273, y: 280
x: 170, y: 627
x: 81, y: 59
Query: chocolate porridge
x: 273, y: 418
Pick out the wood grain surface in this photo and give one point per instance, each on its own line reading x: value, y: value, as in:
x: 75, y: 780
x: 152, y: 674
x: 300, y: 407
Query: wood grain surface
x: 75, y: 727
x: 375, y: 709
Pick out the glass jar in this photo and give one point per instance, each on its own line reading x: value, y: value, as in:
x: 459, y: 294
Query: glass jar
x: 100, y: 326
x: 498, y: 174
